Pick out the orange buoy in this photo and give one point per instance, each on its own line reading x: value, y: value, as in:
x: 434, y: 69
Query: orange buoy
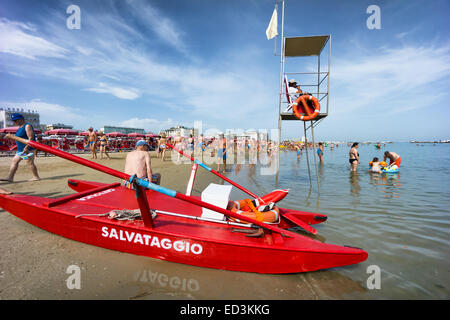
x: 305, y: 107
x: 246, y: 208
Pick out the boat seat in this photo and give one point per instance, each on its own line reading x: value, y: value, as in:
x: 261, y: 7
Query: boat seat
x: 217, y: 195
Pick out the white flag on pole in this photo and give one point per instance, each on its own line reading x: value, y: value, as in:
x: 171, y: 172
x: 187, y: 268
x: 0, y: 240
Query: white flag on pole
x: 272, y: 29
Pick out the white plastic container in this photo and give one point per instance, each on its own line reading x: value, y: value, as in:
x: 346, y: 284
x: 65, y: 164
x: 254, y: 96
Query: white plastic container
x: 217, y: 195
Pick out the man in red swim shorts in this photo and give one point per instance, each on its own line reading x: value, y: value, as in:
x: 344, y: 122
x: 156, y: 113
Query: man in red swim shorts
x: 394, y: 159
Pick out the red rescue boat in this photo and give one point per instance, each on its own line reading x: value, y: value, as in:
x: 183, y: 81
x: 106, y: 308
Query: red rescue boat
x: 178, y: 232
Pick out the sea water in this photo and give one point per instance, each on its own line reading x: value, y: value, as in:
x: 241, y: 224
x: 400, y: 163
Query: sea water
x: 402, y: 220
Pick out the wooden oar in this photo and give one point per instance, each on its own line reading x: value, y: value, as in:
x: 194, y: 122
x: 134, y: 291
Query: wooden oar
x: 292, y: 219
x: 147, y: 184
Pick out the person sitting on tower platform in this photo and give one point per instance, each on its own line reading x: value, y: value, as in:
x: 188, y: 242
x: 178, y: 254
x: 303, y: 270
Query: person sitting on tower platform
x: 294, y: 90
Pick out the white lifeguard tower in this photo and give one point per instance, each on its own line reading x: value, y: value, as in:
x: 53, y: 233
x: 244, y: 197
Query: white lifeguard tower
x: 315, y: 80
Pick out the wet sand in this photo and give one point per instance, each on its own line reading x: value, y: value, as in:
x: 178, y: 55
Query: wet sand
x: 33, y: 262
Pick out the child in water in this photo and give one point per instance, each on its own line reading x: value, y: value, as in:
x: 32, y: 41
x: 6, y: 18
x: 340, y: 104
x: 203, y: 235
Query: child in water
x: 375, y: 165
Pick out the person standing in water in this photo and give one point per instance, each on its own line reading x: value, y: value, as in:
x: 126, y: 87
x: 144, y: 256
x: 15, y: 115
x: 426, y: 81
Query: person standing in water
x: 394, y: 159
x: 320, y: 152
x: 24, y: 152
x: 354, y: 156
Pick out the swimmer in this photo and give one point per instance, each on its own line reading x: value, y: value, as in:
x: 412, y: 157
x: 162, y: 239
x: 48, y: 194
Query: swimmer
x: 375, y: 165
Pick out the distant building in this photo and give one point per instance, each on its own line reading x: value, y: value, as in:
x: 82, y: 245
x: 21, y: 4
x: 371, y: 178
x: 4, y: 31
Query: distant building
x: 109, y: 129
x: 246, y: 135
x: 181, y: 130
x: 58, y: 126
x: 30, y: 116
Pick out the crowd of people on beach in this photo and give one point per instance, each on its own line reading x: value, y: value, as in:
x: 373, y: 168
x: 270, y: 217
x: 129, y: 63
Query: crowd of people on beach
x: 215, y: 147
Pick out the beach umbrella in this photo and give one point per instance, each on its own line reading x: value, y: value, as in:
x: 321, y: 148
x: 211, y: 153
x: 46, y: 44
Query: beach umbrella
x: 115, y: 134
x: 135, y: 134
x: 84, y: 133
x: 14, y: 130
x: 9, y: 130
x: 68, y: 132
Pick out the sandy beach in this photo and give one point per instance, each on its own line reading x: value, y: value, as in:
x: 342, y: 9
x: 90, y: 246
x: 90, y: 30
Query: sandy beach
x: 33, y: 262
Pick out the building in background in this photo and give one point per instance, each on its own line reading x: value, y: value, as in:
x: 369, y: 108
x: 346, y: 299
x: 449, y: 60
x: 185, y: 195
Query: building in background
x: 181, y: 130
x: 109, y: 129
x: 31, y: 116
x: 58, y: 126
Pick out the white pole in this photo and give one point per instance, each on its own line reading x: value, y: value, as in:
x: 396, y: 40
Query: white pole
x: 281, y: 85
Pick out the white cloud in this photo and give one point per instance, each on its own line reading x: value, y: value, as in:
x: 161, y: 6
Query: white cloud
x: 148, y: 124
x: 121, y: 93
x: 164, y: 27
x: 112, y: 60
x: 14, y: 40
x: 390, y: 80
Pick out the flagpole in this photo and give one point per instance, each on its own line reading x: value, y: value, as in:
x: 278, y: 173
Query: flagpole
x: 275, y: 42
x: 281, y: 84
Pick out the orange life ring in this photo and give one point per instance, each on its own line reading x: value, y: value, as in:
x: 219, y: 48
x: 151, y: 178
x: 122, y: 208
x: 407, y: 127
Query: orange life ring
x: 306, y: 109
x: 382, y: 163
x: 246, y: 208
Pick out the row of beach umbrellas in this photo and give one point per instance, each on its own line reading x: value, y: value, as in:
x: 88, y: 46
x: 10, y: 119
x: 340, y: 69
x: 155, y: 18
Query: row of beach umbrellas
x: 70, y: 132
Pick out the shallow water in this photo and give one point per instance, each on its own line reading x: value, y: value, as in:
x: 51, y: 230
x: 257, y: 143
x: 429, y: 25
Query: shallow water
x: 402, y: 220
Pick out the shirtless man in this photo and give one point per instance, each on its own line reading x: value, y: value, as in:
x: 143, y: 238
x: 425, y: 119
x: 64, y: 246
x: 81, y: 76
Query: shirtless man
x: 162, y: 146
x: 354, y: 157
x: 394, y: 159
x: 138, y: 163
x: 92, y: 142
x: 221, y: 147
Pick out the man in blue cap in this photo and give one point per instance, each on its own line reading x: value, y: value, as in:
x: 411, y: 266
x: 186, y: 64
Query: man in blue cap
x: 24, y: 152
x: 138, y: 163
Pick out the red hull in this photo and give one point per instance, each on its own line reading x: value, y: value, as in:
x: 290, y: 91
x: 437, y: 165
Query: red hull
x: 177, y: 239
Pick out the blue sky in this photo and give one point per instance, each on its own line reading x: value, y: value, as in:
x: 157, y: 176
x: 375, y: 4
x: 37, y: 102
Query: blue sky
x: 155, y: 64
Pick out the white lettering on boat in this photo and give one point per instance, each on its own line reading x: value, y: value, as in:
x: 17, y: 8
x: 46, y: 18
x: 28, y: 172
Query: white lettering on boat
x: 144, y: 239
x: 95, y: 195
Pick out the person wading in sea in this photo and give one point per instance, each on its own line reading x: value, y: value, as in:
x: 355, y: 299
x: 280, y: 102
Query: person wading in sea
x: 24, y: 152
x: 394, y: 159
x: 354, y: 157
x: 320, y: 152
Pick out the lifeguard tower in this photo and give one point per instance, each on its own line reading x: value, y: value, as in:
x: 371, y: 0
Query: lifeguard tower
x: 313, y: 77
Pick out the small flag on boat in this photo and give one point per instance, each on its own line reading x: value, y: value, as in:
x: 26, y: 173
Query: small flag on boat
x: 272, y: 29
